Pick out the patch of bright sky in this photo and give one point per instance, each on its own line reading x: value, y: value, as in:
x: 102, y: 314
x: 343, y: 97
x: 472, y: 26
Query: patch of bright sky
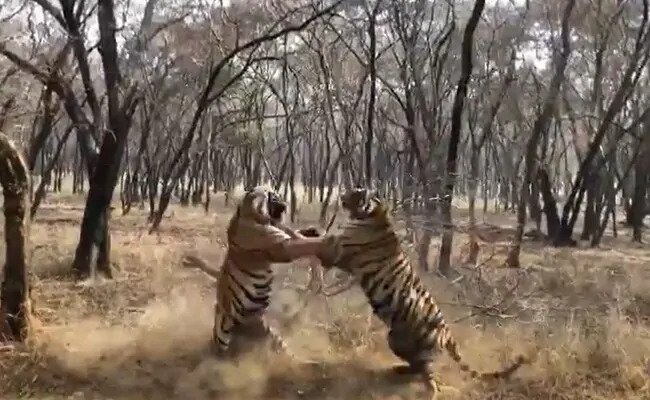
x: 536, y: 54
x: 128, y: 14
x: 128, y: 18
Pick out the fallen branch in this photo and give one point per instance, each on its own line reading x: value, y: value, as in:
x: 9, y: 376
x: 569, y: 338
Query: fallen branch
x: 495, y: 310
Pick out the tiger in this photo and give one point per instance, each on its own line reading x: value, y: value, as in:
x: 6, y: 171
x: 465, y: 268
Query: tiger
x: 256, y: 239
x: 368, y: 248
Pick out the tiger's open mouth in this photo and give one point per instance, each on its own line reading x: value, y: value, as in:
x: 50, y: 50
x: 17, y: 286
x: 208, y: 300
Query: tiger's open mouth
x: 356, y: 201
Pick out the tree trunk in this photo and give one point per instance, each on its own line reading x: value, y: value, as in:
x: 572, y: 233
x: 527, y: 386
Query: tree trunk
x: 94, y: 226
x: 39, y: 194
x: 535, y: 210
x: 444, y: 259
x: 540, y: 126
x: 15, y: 305
x: 550, y: 205
x: 472, y: 257
x: 590, y: 219
x: 639, y: 203
x: 372, y: 69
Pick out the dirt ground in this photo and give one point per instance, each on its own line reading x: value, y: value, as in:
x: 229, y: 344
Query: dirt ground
x: 582, y: 314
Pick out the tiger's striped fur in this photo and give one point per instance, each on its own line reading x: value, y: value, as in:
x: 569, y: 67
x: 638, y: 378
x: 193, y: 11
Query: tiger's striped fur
x: 256, y: 239
x: 368, y: 248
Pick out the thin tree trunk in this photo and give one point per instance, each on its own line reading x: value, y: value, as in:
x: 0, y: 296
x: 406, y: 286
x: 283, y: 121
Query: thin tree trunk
x: 639, y: 203
x: 550, y: 205
x: 540, y: 126
x: 444, y: 259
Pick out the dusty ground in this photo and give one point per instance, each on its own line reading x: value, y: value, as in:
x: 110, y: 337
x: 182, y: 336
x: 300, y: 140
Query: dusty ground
x: 583, y: 313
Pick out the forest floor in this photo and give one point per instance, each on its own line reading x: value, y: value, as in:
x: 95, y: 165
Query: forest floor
x: 584, y: 314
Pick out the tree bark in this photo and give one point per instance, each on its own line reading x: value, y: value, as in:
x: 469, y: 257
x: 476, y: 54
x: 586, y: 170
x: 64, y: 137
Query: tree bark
x: 372, y: 68
x: 540, y: 126
x: 550, y: 205
x: 95, y: 222
x: 639, y: 204
x: 15, y: 305
x: 444, y: 259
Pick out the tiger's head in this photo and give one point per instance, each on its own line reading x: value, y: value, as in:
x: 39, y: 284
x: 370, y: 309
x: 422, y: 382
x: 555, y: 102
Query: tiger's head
x: 363, y: 203
x: 263, y: 205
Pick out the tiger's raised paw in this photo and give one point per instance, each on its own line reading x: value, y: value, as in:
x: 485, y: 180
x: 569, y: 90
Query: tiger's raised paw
x: 331, y: 251
x: 311, y: 232
x: 191, y: 260
x: 404, y: 370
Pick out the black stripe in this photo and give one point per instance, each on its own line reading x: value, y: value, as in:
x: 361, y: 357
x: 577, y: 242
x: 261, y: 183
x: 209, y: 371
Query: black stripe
x: 385, y: 280
x: 403, y: 304
x: 241, y: 311
x: 381, y: 260
x: 406, y: 304
x: 247, y: 292
x: 375, y: 243
x: 250, y: 273
x: 266, y: 285
x: 383, y: 305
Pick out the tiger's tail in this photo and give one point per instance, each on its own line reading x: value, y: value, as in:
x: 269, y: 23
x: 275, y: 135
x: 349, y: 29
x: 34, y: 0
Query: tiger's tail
x: 193, y: 261
x: 452, y: 347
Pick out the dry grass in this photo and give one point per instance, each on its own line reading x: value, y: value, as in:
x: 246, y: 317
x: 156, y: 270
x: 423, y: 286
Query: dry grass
x: 583, y: 314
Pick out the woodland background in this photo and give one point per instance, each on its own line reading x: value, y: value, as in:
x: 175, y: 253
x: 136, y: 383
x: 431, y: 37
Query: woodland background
x: 511, y: 138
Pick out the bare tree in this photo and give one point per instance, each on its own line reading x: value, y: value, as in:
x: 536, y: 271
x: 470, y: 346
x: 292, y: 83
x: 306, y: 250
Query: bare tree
x: 15, y: 305
x: 631, y: 75
x: 94, y: 226
x: 444, y: 259
x: 540, y: 126
x: 180, y: 161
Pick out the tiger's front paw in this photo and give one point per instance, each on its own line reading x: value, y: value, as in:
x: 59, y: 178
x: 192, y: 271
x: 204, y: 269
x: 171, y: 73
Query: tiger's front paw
x: 191, y: 260
x: 311, y: 232
x: 330, y: 252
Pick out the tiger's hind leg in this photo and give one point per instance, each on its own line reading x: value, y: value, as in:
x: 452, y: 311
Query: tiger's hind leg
x: 279, y: 346
x: 401, y: 346
x: 405, y: 369
x: 419, y: 362
x: 433, y: 386
x: 258, y: 331
x: 277, y: 343
x: 429, y: 378
x: 222, y: 333
x: 425, y: 371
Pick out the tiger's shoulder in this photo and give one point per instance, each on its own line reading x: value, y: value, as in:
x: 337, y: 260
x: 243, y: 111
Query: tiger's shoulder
x: 250, y: 234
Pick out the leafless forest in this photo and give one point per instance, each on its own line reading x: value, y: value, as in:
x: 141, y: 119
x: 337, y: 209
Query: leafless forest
x: 511, y: 139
